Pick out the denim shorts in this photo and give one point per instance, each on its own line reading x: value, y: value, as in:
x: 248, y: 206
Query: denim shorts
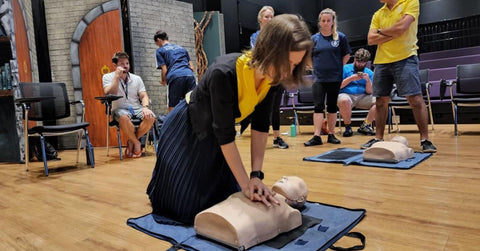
x: 403, y: 73
x: 136, y: 113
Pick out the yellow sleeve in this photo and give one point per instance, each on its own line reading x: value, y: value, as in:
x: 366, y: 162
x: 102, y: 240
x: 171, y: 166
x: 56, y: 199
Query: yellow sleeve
x: 375, y: 24
x: 412, y: 8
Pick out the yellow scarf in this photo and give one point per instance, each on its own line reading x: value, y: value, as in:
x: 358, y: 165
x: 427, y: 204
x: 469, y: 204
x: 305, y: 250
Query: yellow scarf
x: 248, y: 95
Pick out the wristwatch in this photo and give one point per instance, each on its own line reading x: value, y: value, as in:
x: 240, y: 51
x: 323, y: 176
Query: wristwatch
x: 145, y: 106
x: 256, y: 174
x: 379, y: 31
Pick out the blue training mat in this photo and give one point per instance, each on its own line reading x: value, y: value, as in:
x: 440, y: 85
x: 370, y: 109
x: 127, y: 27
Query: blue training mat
x: 349, y: 156
x: 336, y: 222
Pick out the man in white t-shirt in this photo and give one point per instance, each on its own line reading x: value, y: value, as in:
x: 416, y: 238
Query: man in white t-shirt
x: 133, y: 104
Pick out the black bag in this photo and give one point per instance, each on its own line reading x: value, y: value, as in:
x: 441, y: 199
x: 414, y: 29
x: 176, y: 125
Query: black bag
x: 35, y: 149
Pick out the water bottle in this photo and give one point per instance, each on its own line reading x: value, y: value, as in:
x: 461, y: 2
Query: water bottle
x: 293, y: 130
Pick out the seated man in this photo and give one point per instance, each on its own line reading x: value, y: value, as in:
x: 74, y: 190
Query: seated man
x: 356, y: 92
x: 131, y: 88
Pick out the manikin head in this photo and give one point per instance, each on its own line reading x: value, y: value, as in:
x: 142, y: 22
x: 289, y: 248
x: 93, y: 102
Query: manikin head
x: 400, y: 139
x: 294, y: 189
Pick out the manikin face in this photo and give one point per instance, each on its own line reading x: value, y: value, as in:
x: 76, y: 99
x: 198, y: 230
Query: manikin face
x: 266, y: 17
x: 326, y: 22
x: 294, y: 189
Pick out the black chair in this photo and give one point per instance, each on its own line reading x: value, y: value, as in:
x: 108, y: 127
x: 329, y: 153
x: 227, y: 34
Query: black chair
x: 398, y: 102
x: 107, y: 101
x: 49, y: 102
x: 467, y: 89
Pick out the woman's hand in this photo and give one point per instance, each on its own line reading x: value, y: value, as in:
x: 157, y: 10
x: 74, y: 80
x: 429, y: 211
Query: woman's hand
x: 257, y: 191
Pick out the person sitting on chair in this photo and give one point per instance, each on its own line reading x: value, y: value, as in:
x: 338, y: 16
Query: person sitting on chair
x: 133, y: 104
x: 356, y: 92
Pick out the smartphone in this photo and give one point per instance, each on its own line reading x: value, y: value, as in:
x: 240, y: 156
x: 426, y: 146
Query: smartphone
x: 360, y: 73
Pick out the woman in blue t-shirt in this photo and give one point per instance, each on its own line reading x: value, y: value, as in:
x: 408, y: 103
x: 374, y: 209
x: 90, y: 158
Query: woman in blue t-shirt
x: 265, y: 14
x: 330, y: 52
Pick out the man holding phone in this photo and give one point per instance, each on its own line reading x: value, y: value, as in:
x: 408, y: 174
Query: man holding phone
x: 356, y: 92
x: 133, y: 104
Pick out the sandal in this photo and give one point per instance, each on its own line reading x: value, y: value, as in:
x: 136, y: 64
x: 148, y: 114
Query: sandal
x: 137, y: 154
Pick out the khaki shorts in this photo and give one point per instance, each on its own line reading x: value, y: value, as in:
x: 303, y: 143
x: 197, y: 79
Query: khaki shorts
x: 359, y: 101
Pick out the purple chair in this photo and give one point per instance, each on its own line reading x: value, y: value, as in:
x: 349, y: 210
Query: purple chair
x: 467, y: 86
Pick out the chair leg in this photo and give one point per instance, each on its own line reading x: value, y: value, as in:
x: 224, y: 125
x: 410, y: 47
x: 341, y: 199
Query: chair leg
x: 44, y: 155
x: 431, y: 117
x: 27, y: 147
x: 79, y: 144
x: 146, y: 139
x: 89, y: 150
x: 455, y: 118
x: 119, y: 143
x: 339, y: 119
x: 394, y: 117
x: 108, y: 138
x: 389, y: 119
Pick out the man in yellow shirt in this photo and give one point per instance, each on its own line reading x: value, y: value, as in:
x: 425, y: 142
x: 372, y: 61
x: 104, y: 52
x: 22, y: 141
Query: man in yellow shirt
x: 394, y: 30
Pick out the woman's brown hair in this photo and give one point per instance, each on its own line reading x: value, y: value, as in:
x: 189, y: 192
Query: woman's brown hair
x: 285, y: 33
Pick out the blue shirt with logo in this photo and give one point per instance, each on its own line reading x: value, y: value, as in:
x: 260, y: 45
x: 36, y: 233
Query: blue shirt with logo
x: 357, y: 86
x: 176, y: 59
x: 327, y: 57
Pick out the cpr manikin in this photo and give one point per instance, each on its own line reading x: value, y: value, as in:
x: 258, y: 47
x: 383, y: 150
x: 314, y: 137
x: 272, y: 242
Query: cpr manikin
x: 392, y: 151
x: 293, y: 189
x: 241, y: 223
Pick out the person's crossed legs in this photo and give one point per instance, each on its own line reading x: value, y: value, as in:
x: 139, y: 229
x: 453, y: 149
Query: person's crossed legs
x: 134, y: 148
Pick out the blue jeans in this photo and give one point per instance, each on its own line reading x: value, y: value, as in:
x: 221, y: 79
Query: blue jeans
x: 403, y: 73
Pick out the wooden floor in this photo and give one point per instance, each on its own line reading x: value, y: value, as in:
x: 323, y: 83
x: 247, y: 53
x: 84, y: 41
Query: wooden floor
x: 434, y: 206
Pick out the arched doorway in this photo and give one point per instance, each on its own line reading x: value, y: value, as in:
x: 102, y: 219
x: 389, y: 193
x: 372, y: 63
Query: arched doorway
x: 97, y: 37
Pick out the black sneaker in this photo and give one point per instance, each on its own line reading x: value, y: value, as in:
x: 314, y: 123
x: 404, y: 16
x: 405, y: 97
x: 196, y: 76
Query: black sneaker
x: 428, y: 147
x: 279, y: 143
x: 348, y: 132
x: 331, y: 139
x: 316, y: 140
x: 366, y: 129
x: 370, y: 143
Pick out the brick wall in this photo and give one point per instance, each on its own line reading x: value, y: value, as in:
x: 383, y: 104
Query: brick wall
x: 146, y: 16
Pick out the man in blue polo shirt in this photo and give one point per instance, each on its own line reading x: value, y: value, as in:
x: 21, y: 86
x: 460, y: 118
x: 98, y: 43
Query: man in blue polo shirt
x: 356, y: 92
x: 177, y: 68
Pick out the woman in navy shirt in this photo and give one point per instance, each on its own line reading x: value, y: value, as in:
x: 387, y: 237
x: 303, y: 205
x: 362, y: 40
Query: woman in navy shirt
x: 330, y: 52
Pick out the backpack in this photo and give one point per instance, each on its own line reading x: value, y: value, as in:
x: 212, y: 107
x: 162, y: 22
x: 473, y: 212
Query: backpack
x: 35, y: 149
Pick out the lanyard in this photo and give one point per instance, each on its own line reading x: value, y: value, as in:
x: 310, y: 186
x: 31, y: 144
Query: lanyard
x: 125, y: 86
